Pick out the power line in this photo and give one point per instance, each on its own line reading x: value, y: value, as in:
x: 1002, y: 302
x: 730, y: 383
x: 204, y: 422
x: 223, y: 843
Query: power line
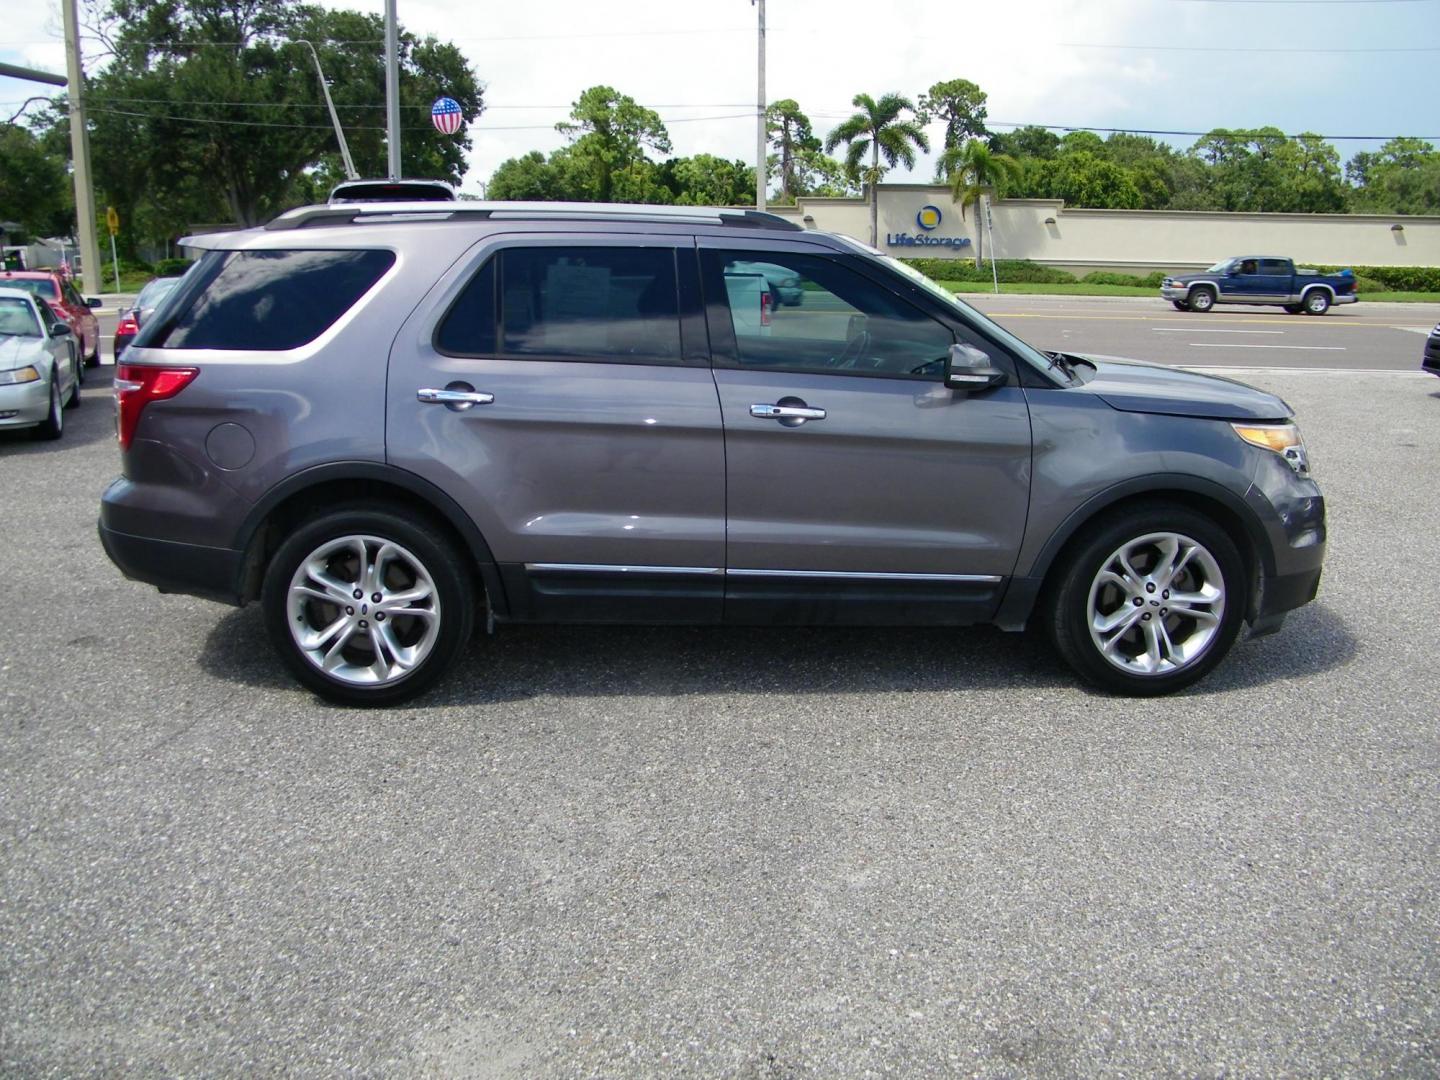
x: 1233, y: 49
x: 1221, y: 132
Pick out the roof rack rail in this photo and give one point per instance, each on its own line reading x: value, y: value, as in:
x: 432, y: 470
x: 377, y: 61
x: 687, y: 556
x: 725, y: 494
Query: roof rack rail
x: 380, y: 213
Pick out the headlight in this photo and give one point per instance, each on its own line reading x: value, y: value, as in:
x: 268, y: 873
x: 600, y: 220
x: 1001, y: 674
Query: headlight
x: 29, y: 373
x: 1283, y: 439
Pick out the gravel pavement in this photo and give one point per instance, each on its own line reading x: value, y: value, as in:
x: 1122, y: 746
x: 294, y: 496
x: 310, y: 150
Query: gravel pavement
x: 749, y: 853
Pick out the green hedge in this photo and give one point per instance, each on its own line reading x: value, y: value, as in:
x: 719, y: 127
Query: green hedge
x: 1395, y: 278
x: 172, y: 267
x: 1008, y: 270
x: 1105, y: 277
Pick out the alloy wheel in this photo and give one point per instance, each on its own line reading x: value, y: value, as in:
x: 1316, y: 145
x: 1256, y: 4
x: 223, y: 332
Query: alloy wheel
x: 363, y: 610
x: 1157, y: 604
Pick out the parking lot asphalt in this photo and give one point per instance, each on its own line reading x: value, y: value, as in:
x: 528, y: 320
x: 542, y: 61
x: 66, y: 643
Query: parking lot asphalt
x: 703, y: 852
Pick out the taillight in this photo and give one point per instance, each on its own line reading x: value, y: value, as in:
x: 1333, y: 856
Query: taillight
x: 136, y: 385
x: 765, y: 309
x: 128, y: 325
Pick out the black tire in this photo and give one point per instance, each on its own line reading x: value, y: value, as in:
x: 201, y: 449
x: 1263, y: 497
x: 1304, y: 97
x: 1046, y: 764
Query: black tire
x: 1180, y: 305
x: 1294, y: 309
x: 1068, y: 610
x: 1316, y: 302
x: 421, y: 539
x: 53, y: 426
x: 74, y: 402
x: 1201, y: 299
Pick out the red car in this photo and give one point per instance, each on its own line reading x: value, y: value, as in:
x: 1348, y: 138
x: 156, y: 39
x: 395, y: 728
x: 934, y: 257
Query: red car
x: 55, y: 289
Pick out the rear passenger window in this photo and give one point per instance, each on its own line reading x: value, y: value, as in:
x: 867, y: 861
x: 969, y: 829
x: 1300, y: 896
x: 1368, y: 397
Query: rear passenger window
x: 269, y: 300
x: 468, y: 328
x: 590, y: 303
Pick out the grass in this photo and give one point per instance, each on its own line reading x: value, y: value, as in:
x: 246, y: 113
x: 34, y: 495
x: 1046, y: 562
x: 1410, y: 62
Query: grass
x: 1081, y: 289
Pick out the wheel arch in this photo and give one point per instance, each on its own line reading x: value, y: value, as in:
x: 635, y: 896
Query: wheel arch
x: 300, y: 495
x: 1220, y: 504
x: 1317, y: 285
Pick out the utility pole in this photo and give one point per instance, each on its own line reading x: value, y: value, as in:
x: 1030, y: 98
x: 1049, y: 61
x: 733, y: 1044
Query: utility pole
x: 762, y: 181
x: 93, y: 279
x: 392, y: 88
x: 350, y: 173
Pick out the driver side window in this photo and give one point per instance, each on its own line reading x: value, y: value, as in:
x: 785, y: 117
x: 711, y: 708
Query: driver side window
x: 794, y: 312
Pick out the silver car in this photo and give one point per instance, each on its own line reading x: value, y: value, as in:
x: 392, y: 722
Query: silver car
x: 39, y: 366
x: 384, y: 422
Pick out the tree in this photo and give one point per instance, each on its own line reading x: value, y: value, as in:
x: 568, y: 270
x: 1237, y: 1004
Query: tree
x: 609, y: 132
x: 960, y: 104
x: 975, y: 171
x: 528, y: 178
x: 1026, y: 142
x: 1083, y: 179
x: 706, y: 180
x: 35, y: 189
x: 210, y: 110
x: 789, y: 131
x: 1403, y: 177
x: 879, y: 130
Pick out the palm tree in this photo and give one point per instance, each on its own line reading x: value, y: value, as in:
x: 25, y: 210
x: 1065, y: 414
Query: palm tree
x: 976, y: 172
x: 878, y: 130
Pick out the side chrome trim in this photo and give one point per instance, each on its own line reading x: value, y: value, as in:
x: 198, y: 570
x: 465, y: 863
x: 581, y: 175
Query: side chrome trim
x: 606, y: 568
x: 841, y: 575
x: 851, y: 575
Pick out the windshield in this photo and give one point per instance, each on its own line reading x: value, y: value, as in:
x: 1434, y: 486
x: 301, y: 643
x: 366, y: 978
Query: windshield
x: 994, y: 329
x: 155, y: 291
x: 1220, y: 267
x: 35, y: 286
x: 17, y: 319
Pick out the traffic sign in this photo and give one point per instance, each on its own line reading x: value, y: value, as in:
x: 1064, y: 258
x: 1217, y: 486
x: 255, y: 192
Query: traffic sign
x: 112, y: 220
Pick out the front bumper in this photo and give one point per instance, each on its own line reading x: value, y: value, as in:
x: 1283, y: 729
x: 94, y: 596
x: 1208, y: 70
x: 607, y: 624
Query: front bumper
x: 1174, y: 292
x: 24, y: 404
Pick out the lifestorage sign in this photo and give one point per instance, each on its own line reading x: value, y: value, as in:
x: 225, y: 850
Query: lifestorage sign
x: 928, y: 219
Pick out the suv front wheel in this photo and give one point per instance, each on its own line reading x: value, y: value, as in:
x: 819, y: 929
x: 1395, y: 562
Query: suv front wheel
x: 1149, y: 602
x: 366, y: 607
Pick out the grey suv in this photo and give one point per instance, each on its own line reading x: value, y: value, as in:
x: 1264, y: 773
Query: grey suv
x: 384, y: 420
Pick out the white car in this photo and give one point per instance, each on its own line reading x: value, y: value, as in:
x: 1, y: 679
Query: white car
x: 39, y: 366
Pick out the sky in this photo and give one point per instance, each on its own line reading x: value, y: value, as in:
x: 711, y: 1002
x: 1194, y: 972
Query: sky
x: 1336, y: 67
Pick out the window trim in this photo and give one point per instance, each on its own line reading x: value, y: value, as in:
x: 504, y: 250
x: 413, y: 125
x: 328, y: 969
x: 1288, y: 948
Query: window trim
x: 494, y: 251
x: 725, y: 349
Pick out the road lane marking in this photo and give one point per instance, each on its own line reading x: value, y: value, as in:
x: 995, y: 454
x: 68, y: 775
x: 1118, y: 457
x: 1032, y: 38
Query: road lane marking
x: 1227, y: 369
x: 1190, y: 330
x: 1297, y: 321
x: 1247, y: 345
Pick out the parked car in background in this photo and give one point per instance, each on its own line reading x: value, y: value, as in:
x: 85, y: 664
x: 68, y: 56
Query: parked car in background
x: 1430, y: 361
x: 388, y: 422
x: 55, y: 288
x: 1260, y: 279
x: 134, y: 317
x: 350, y: 191
x: 784, y: 284
x: 39, y: 365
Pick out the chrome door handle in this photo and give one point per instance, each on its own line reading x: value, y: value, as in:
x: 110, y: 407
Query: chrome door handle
x: 798, y: 413
x: 453, y: 397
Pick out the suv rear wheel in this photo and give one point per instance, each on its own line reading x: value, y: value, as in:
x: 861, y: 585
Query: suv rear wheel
x: 1149, y: 602
x: 367, y: 607
x: 1316, y: 302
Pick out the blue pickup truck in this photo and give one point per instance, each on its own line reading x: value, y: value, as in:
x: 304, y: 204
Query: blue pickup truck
x: 1260, y: 279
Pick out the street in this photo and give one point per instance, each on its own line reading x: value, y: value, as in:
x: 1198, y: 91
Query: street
x: 625, y: 852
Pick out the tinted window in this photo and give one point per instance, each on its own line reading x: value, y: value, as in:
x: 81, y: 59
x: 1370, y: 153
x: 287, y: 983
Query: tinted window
x: 469, y: 327
x: 810, y: 313
x: 590, y: 303
x: 17, y: 319
x: 268, y: 300
x: 1274, y: 266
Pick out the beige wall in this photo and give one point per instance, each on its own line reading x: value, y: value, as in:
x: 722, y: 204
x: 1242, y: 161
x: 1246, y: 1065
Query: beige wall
x: 1129, y: 240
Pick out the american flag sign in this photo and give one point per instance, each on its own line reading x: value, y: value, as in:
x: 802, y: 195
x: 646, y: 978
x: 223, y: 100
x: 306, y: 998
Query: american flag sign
x: 446, y: 115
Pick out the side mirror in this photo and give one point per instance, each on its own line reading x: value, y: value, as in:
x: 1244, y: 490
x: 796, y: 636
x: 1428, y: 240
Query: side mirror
x: 61, y: 329
x: 969, y: 368
x: 92, y: 301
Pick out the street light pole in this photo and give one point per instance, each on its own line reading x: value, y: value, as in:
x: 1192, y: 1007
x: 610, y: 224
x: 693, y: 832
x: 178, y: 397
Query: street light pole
x: 392, y: 89
x: 350, y: 173
x: 93, y: 280
x: 761, y: 179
